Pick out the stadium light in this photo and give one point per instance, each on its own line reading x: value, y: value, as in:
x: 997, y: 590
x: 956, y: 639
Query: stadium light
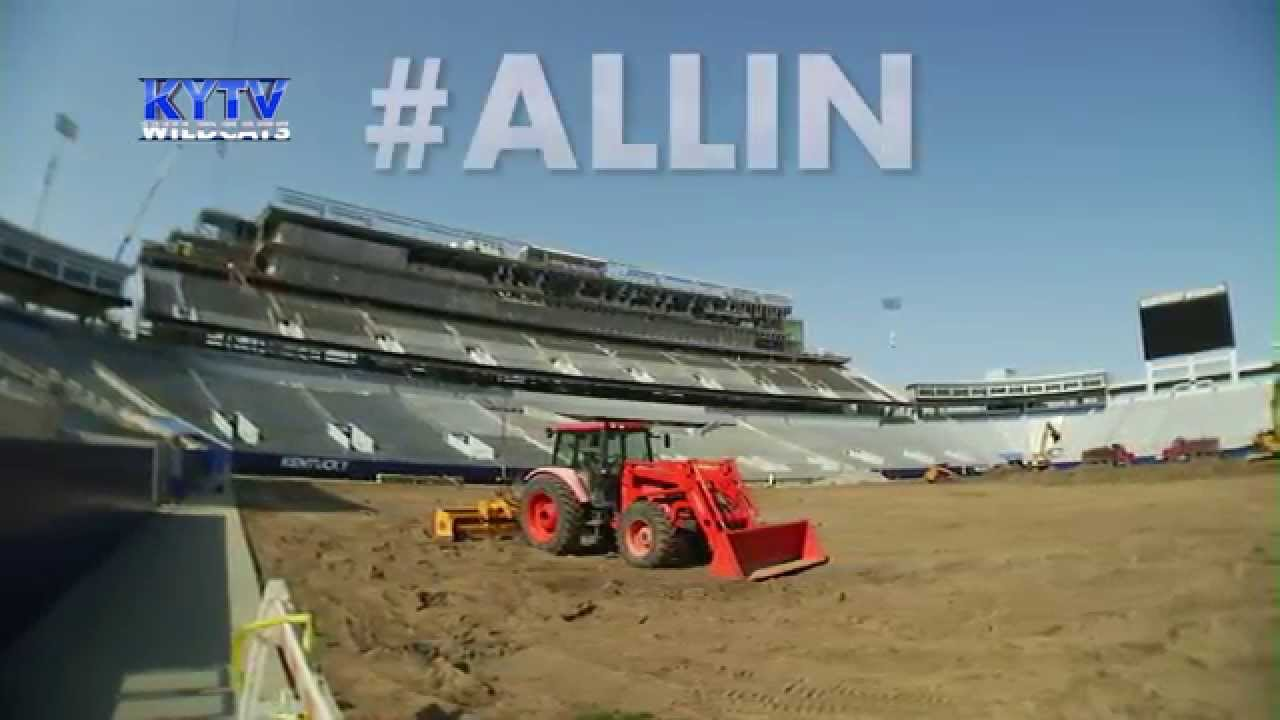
x: 892, y: 305
x: 68, y: 132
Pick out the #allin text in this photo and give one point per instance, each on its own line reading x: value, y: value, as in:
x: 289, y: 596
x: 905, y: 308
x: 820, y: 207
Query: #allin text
x: 822, y: 90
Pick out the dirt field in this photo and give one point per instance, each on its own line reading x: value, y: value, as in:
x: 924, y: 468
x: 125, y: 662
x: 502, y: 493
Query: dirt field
x: 1141, y: 593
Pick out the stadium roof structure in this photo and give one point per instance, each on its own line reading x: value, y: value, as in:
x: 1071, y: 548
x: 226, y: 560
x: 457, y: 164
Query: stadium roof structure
x: 37, y: 269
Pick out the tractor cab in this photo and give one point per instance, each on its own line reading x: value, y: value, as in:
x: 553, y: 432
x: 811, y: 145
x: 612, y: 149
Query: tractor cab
x: 599, y: 450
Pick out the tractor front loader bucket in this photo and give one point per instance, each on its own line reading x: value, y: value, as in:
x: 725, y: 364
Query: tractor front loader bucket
x: 742, y: 546
x: 765, y: 551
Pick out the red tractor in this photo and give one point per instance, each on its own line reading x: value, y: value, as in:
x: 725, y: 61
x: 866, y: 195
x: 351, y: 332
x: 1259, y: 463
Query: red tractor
x: 604, y: 484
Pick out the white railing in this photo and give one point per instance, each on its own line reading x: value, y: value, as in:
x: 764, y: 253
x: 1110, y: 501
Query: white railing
x: 272, y: 634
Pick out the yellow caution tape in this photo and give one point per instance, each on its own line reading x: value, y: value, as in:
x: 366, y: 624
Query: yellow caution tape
x: 237, y: 640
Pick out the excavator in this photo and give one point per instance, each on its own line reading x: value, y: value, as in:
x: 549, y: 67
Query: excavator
x: 935, y: 474
x: 1050, y: 436
x: 604, y: 485
x: 1266, y: 444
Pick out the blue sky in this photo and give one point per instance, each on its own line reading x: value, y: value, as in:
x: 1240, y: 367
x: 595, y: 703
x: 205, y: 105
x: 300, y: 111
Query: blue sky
x: 1070, y: 157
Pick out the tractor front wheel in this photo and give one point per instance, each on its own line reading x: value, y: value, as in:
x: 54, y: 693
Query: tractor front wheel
x: 646, y: 537
x: 551, y: 518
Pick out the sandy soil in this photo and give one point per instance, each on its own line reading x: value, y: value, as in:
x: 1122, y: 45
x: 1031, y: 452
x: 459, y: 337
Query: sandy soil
x: 1139, y: 593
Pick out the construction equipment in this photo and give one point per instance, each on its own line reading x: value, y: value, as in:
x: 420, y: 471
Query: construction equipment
x: 1266, y: 445
x: 1115, y: 455
x: 605, y: 485
x: 494, y: 517
x: 1185, y: 450
x: 938, y: 474
x: 1050, y: 436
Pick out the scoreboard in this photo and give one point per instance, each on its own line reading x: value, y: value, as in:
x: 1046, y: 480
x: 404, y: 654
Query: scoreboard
x: 1185, y: 323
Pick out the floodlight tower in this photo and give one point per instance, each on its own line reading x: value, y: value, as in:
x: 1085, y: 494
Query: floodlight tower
x: 68, y: 132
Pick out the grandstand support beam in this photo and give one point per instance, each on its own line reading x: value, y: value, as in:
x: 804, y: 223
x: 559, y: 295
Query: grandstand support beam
x: 1191, y: 366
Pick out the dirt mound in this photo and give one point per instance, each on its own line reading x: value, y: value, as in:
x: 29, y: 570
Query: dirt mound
x: 973, y: 599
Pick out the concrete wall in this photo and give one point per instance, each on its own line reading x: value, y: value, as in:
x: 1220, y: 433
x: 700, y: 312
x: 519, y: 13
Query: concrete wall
x: 66, y: 506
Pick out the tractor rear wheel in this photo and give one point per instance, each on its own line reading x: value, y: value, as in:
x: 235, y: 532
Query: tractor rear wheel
x: 646, y: 537
x: 551, y: 518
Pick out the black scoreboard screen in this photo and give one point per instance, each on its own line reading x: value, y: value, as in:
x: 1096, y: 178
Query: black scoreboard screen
x: 1186, y: 323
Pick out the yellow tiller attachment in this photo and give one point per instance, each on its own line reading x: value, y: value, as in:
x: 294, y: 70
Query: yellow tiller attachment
x: 495, y: 517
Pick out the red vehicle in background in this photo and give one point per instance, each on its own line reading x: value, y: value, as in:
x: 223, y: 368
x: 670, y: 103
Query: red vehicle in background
x: 1115, y: 454
x: 1186, y: 450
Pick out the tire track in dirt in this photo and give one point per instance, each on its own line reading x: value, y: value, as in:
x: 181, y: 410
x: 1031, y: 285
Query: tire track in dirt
x: 746, y: 690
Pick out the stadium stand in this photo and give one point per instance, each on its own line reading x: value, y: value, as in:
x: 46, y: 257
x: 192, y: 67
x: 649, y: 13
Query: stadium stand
x: 350, y: 340
x: 39, y: 270
x: 26, y: 412
x: 441, y: 424
x: 364, y: 280
x: 568, y: 354
x: 507, y: 347
x: 368, y: 294
x: 777, y: 379
x: 862, y: 443
x: 420, y: 335
x: 222, y: 303
x: 990, y: 440
x: 57, y: 352
x: 1146, y: 424
x: 328, y: 322
x: 471, y: 427
x: 397, y: 433
x: 286, y: 415
x: 649, y: 366
x: 586, y: 408
x: 837, y: 380
x: 720, y: 371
